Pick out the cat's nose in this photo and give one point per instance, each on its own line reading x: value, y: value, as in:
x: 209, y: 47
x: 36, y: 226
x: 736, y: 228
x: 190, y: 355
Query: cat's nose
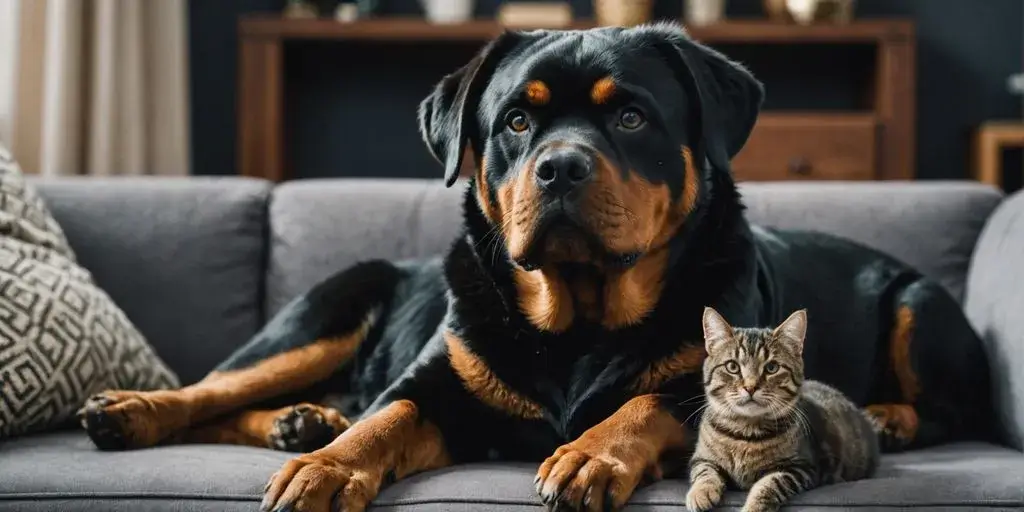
x: 750, y: 390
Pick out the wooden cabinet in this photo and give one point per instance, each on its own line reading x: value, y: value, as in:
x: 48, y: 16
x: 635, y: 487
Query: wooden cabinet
x: 810, y: 147
x: 876, y: 142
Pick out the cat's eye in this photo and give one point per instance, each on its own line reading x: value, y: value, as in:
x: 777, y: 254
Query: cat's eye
x: 771, y: 367
x: 732, y: 367
x: 517, y: 121
x: 631, y: 119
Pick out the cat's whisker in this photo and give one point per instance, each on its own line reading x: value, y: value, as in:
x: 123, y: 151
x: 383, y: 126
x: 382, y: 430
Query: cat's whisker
x: 698, y: 411
x: 701, y: 397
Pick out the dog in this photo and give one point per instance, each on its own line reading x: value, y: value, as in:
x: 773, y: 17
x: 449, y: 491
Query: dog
x: 563, y: 326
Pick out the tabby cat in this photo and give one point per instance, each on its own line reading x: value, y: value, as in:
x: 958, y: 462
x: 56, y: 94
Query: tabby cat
x: 764, y: 427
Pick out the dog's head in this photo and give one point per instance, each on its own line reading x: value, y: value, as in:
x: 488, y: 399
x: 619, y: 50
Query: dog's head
x: 590, y: 146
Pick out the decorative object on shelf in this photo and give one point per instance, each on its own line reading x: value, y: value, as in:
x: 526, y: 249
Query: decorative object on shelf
x: 299, y: 9
x: 806, y: 12
x: 701, y: 13
x: 1016, y: 84
x: 346, y: 13
x: 622, y: 12
x: 448, y: 11
x: 535, y: 14
x: 777, y: 11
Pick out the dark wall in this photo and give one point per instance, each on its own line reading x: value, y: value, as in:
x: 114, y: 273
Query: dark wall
x: 213, y: 56
x: 351, y: 106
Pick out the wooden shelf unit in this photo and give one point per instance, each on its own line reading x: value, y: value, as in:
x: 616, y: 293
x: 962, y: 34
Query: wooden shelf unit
x: 873, y: 144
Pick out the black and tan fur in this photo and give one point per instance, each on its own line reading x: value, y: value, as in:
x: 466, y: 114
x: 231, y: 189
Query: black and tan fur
x: 563, y: 326
x: 765, y: 428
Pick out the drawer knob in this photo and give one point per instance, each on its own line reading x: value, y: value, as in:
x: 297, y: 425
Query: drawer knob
x: 800, y: 166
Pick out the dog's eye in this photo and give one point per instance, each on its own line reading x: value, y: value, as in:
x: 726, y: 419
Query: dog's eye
x: 732, y: 367
x: 631, y: 119
x: 517, y: 121
x: 771, y: 367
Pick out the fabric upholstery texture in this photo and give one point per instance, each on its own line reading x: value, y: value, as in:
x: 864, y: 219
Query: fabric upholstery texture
x: 42, y: 471
x: 186, y: 260
x: 932, y: 226
x: 62, y: 338
x: 320, y: 226
x: 995, y: 306
x: 183, y: 257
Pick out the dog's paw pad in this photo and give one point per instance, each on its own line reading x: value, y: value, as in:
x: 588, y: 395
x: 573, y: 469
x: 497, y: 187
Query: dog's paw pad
x: 305, y: 428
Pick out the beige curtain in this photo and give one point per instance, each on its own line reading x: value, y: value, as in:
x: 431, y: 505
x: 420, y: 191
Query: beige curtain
x: 100, y: 87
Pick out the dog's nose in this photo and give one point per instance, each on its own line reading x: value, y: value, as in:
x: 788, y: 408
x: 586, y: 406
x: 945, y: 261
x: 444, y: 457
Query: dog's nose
x: 563, y: 169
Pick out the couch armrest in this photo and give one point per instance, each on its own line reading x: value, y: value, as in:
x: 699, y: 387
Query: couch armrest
x: 995, y: 307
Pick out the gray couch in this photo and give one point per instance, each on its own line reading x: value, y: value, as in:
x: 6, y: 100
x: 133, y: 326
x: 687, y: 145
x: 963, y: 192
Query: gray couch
x: 199, y: 264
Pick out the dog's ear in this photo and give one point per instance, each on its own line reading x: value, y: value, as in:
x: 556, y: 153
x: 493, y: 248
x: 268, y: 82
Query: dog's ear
x: 727, y: 95
x: 448, y: 115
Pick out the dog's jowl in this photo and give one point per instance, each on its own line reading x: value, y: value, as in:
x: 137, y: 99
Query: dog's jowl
x: 563, y: 326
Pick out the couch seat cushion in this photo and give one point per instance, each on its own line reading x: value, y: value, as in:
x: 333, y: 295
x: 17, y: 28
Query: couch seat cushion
x: 63, y: 471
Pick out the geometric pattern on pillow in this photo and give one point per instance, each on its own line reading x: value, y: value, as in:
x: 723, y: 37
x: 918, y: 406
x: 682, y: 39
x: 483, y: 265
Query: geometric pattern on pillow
x: 62, y: 338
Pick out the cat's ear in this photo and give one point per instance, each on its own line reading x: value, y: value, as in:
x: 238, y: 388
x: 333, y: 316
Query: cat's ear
x: 793, y: 331
x: 716, y: 329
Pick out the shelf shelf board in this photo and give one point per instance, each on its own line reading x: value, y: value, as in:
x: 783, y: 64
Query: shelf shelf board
x: 417, y: 29
x: 822, y: 118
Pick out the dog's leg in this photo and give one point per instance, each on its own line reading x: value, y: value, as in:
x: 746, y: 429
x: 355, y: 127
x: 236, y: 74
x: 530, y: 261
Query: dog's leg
x: 300, y: 428
x: 941, y: 371
x: 117, y: 420
x: 604, y: 465
x: 347, y: 474
x: 308, y: 341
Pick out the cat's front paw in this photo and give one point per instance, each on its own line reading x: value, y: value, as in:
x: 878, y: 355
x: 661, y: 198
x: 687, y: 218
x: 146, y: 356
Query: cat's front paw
x: 703, y: 496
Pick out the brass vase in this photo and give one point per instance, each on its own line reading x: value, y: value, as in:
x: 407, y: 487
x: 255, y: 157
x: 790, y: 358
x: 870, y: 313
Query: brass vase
x: 622, y: 13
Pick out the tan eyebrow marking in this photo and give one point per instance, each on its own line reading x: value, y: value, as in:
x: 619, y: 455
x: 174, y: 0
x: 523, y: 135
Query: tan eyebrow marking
x: 602, y: 91
x: 538, y: 93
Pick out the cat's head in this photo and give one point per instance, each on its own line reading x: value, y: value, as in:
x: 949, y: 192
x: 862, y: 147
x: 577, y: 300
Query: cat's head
x: 753, y: 372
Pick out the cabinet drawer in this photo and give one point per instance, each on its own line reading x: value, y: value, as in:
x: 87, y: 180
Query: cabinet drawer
x: 809, y: 147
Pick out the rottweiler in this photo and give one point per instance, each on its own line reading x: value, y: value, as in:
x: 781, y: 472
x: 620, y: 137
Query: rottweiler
x: 563, y: 326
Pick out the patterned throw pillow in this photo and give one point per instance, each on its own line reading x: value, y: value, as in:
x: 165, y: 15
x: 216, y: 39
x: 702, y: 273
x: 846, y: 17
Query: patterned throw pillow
x: 62, y: 338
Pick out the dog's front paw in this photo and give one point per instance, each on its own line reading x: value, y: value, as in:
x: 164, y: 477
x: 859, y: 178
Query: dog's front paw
x: 578, y: 478
x: 121, y: 420
x: 703, y: 495
x: 306, y: 427
x: 319, y: 483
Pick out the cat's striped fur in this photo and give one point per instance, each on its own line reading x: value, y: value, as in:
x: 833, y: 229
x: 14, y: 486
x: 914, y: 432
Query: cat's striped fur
x: 765, y: 428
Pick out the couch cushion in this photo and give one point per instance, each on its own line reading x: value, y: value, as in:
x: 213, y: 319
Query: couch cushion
x: 62, y: 338
x: 42, y: 472
x: 183, y: 257
x: 320, y: 226
x: 932, y: 226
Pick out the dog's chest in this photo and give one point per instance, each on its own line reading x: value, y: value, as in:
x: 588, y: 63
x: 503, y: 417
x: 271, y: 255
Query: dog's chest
x: 581, y: 390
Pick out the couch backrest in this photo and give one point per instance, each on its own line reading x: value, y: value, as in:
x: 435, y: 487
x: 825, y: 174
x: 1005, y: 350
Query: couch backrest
x: 184, y: 258
x: 933, y: 226
x: 197, y: 263
x: 319, y: 226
